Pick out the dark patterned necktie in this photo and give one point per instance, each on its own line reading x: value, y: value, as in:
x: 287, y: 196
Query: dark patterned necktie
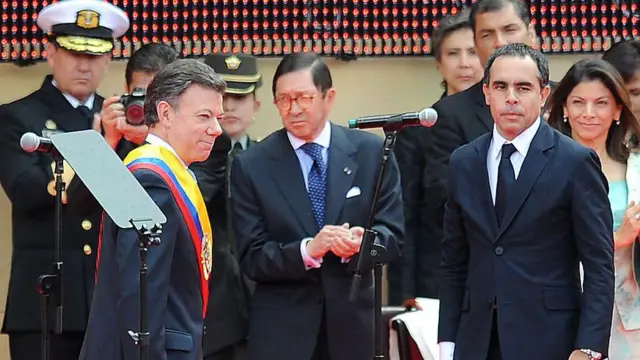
x: 317, y: 181
x: 237, y: 149
x: 87, y: 114
x: 506, y: 180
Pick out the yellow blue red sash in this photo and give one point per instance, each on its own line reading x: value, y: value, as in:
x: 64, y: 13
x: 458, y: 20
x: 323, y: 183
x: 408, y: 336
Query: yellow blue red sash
x: 184, y: 188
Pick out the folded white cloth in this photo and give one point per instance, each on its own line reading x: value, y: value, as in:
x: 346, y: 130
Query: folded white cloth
x: 423, y: 328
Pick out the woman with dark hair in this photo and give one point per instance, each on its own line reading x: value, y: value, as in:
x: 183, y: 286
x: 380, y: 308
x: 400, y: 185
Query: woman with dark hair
x: 625, y: 57
x: 591, y: 105
x: 455, y: 53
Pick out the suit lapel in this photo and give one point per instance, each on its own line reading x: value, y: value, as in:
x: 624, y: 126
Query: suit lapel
x: 479, y: 168
x: 532, y: 167
x: 341, y: 170
x: 287, y: 174
x: 66, y: 117
x: 483, y: 113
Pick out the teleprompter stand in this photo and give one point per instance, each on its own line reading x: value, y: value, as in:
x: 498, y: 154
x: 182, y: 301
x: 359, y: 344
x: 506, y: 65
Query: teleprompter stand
x: 50, y: 285
x: 372, y: 255
x: 102, y: 171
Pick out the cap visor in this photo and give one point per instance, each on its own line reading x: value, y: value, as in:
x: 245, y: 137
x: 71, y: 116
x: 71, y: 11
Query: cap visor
x: 85, y: 45
x: 239, y: 88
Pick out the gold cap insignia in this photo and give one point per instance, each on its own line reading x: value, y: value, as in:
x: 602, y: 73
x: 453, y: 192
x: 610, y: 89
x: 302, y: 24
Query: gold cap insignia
x: 233, y: 63
x: 87, y: 249
x: 88, y: 19
x: 50, y: 124
x: 86, y: 224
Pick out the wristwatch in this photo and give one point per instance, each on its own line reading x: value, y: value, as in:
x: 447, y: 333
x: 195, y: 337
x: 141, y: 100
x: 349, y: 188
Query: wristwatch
x: 592, y: 354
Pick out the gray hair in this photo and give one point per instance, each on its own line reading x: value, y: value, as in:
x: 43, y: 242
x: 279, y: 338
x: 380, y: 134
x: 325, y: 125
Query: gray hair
x: 172, y: 81
x: 521, y: 51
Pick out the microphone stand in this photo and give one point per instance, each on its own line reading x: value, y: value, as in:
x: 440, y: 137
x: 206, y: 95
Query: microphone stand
x: 147, y: 238
x: 372, y: 255
x: 50, y: 285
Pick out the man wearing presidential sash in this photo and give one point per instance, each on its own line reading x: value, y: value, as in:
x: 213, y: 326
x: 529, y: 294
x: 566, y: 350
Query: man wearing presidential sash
x: 183, y: 104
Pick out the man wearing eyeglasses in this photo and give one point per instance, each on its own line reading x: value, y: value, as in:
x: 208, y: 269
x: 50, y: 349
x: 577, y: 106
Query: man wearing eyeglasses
x: 301, y: 199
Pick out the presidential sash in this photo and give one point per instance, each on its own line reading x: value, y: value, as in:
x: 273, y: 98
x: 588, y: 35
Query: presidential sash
x: 188, y: 197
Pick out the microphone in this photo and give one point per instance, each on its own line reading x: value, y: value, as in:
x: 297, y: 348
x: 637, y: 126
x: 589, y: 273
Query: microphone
x: 427, y: 118
x: 31, y: 142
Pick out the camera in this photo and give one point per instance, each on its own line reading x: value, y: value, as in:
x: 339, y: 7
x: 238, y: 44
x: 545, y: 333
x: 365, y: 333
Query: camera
x: 134, y: 106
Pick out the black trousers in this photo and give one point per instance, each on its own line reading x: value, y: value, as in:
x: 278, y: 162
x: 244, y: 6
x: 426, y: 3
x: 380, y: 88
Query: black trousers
x: 27, y: 345
x: 321, y: 351
x: 233, y: 352
x: 494, y: 352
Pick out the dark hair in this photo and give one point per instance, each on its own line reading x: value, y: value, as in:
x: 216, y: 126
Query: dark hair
x: 486, y: 6
x: 521, y: 51
x: 150, y: 58
x: 625, y: 57
x: 447, y: 26
x: 303, y: 61
x: 172, y: 81
x: 598, y: 70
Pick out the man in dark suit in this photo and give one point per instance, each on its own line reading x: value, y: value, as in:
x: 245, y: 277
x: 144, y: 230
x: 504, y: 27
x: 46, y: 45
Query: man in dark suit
x: 301, y: 199
x: 228, y: 315
x: 65, y: 102
x: 183, y: 103
x: 514, y: 238
x: 464, y: 116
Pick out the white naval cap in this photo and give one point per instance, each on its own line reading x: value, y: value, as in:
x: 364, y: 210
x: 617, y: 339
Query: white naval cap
x: 84, y: 26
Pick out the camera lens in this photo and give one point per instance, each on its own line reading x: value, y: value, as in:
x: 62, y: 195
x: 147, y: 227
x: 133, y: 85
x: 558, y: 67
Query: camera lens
x: 135, y: 114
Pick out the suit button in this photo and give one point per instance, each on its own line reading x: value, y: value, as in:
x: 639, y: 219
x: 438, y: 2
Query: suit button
x: 86, y: 224
x: 499, y: 250
x: 87, y: 249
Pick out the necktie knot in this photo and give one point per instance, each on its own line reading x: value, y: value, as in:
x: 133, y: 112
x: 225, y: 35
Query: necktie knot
x: 314, y: 151
x: 86, y: 113
x: 507, y: 151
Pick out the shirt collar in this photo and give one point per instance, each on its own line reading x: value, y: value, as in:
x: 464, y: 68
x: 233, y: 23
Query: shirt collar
x: 243, y: 141
x: 521, y: 142
x: 156, y: 140
x: 324, y: 139
x: 73, y: 101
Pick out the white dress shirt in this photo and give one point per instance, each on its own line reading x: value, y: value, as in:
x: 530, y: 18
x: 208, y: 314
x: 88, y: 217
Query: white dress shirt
x: 75, y: 102
x: 156, y: 140
x: 522, y: 143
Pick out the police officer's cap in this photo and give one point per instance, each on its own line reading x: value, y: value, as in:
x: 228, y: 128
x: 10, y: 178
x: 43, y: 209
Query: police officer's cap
x: 84, y: 26
x: 239, y: 71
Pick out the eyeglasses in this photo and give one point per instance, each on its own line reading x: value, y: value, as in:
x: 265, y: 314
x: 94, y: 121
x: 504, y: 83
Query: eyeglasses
x: 304, y: 101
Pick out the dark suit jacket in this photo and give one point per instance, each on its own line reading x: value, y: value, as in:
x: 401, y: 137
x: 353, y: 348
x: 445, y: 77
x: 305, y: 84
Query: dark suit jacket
x: 24, y: 178
x: 273, y: 214
x: 462, y: 118
x: 227, y: 319
x: 558, y: 215
x: 414, y: 274
x: 174, y: 291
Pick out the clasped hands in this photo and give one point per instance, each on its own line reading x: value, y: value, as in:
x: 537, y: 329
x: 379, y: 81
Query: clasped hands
x: 342, y: 240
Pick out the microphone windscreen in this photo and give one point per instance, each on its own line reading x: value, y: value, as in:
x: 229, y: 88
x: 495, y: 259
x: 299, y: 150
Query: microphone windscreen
x: 30, y: 142
x: 428, y: 117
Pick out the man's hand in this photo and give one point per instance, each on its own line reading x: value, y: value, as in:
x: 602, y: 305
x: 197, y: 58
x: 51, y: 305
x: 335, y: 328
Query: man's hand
x: 348, y: 245
x: 323, y: 242
x: 578, y: 355
x: 114, y: 123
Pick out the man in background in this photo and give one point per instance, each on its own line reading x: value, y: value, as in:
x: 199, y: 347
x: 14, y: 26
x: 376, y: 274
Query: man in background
x: 228, y: 316
x: 465, y: 116
x: 81, y: 35
x: 301, y: 199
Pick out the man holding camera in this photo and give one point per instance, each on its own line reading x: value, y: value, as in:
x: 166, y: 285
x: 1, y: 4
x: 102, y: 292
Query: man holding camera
x: 183, y: 104
x: 80, y: 34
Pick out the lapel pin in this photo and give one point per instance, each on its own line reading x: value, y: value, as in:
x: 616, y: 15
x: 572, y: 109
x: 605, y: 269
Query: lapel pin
x: 50, y: 124
x: 347, y: 171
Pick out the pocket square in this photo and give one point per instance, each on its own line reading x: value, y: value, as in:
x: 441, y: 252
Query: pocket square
x: 354, y: 191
